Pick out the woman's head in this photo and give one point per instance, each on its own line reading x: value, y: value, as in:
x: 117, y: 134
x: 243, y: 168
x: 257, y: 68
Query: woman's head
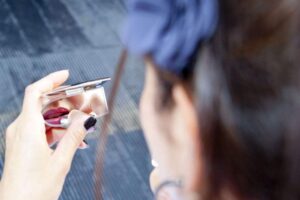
x: 244, y: 138
x: 169, y: 32
x: 169, y: 120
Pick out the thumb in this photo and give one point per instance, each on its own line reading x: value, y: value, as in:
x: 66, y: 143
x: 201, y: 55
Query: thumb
x: 73, y: 137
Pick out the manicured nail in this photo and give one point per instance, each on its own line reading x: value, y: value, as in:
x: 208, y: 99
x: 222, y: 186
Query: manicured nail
x: 92, y: 129
x: 85, y: 142
x: 90, y: 122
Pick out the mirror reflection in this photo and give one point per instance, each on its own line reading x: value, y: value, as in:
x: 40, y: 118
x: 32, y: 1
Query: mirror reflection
x: 92, y: 102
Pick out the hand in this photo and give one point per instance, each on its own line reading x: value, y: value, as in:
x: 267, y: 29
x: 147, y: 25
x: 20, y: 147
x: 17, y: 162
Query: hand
x: 32, y: 170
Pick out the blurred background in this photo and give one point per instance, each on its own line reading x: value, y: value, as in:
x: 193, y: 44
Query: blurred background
x: 41, y: 36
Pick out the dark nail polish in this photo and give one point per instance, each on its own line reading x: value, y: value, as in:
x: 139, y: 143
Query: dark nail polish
x: 85, y: 142
x: 90, y: 122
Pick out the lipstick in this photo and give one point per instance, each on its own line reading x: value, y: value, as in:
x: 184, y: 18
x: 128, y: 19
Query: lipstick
x: 55, y: 115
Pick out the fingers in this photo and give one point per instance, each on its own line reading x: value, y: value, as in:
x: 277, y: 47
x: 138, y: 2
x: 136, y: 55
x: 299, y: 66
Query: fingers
x: 72, y: 138
x: 33, y: 92
x: 54, y: 135
x: 83, y: 145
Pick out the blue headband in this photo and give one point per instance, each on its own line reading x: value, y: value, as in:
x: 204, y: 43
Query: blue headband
x: 169, y: 30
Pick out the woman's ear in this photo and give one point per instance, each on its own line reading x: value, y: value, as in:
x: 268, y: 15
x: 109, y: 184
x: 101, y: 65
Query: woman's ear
x: 186, y: 129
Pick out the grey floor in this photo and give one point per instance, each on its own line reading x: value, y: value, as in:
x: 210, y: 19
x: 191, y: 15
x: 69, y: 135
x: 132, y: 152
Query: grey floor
x: 41, y: 36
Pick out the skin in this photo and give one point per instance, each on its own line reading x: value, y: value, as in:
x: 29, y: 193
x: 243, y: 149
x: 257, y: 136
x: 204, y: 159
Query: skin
x: 172, y: 136
x: 31, y: 168
x: 91, y: 103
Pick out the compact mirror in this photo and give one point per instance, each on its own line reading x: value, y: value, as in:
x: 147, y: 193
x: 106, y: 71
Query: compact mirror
x: 88, y: 97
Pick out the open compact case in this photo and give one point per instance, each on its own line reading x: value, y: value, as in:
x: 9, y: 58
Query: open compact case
x: 88, y: 97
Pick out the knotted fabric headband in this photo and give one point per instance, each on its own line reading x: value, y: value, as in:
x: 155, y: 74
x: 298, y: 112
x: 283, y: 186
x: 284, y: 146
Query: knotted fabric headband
x: 169, y: 30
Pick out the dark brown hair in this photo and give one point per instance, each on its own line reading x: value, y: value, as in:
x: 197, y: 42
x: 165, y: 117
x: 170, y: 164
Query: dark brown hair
x: 248, y: 86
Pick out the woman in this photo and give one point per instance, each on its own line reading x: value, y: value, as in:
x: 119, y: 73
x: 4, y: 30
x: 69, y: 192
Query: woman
x: 227, y: 129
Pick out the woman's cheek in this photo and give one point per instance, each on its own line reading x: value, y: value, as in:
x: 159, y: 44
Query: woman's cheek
x: 148, y: 118
x: 145, y: 115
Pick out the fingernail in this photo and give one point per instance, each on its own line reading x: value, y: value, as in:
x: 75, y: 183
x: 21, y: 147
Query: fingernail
x: 90, y: 122
x: 83, y: 148
x: 92, y: 129
x: 65, y: 70
x: 61, y: 71
x: 84, y: 145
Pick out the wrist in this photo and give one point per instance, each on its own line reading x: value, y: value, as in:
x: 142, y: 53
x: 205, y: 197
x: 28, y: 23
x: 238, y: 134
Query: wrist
x: 9, y: 192
x: 4, y: 192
